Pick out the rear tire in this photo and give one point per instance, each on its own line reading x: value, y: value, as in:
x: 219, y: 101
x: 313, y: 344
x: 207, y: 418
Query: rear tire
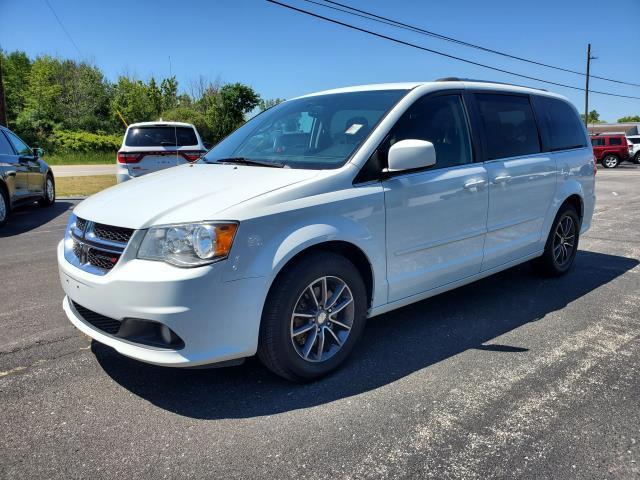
x: 290, y: 308
x: 5, y: 208
x: 49, y: 197
x: 562, y: 244
x: 610, y: 161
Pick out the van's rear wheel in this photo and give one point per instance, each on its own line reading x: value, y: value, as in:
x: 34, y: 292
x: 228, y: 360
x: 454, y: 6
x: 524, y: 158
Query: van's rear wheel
x: 313, y: 317
x: 562, y: 244
x: 610, y: 161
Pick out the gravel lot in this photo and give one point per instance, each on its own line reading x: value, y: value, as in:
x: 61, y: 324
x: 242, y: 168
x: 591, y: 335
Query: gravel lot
x: 511, y: 376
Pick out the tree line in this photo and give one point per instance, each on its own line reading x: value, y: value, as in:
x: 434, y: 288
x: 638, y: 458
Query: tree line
x: 62, y: 103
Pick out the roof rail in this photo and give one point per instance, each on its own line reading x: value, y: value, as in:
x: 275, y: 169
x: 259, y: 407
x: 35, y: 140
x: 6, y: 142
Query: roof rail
x: 457, y: 79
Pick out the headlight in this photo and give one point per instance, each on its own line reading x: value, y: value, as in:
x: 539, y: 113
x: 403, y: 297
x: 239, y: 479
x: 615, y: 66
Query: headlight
x: 188, y: 244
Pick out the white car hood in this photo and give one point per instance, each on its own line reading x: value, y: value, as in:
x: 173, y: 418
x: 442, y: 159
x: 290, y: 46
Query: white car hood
x: 188, y: 193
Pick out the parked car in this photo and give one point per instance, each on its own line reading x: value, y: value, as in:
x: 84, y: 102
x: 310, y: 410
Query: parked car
x: 24, y: 176
x: 322, y: 212
x: 610, y: 149
x: 151, y: 146
x: 634, y: 148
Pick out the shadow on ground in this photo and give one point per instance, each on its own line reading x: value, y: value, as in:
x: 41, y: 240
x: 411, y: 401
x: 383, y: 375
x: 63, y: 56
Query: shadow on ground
x: 29, y: 217
x: 394, y: 345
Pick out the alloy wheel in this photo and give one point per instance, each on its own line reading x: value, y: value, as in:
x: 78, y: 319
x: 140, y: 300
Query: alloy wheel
x: 322, y: 319
x: 3, y: 208
x: 610, y: 161
x: 564, y: 241
x: 50, y: 190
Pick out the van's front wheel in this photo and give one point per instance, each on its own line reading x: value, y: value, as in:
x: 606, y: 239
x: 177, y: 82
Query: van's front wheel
x: 313, y: 317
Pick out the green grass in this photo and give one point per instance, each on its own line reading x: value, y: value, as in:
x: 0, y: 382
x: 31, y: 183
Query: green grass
x: 77, y: 158
x: 83, y: 186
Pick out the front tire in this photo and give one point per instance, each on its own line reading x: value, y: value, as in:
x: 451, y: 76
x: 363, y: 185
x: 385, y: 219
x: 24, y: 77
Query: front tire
x: 313, y: 317
x: 610, y: 161
x: 49, y: 197
x: 636, y: 159
x: 562, y: 244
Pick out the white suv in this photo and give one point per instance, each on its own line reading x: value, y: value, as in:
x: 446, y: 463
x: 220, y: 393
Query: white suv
x: 634, y: 148
x: 151, y: 146
x: 322, y: 212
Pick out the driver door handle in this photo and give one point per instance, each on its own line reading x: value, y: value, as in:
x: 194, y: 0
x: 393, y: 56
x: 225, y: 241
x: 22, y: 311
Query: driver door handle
x: 502, y: 178
x: 474, y: 184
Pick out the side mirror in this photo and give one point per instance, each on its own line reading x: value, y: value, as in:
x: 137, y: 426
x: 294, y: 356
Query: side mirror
x: 411, y: 154
x: 38, y: 152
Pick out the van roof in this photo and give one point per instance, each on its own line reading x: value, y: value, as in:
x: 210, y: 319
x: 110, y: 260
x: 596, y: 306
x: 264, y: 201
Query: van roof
x: 450, y: 82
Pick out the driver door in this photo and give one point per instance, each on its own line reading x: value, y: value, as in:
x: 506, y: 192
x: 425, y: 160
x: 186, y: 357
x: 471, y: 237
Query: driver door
x: 436, y: 218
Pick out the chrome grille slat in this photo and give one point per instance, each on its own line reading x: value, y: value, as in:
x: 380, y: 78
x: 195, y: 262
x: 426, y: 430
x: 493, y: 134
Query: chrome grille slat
x: 97, y: 247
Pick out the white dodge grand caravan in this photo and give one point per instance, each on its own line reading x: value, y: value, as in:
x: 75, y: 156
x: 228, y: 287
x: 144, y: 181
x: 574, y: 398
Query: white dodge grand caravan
x: 322, y: 212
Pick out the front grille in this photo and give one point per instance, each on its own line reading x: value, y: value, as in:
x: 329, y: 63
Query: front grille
x: 113, y: 234
x: 96, y: 247
x: 100, y: 259
x: 105, y: 324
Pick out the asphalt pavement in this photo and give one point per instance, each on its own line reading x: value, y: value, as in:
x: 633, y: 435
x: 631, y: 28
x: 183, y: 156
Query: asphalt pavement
x: 510, y: 377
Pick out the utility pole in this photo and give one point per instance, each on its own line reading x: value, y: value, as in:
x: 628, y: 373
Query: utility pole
x: 586, y: 89
x: 3, y: 104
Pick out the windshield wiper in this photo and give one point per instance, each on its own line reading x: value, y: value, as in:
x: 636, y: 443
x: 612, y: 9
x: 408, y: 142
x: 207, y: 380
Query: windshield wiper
x: 168, y: 144
x: 248, y: 161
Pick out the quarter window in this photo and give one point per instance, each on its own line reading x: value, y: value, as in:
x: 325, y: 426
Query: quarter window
x: 563, y: 127
x: 5, y: 148
x: 509, y: 126
x: 440, y: 120
x: 615, y: 141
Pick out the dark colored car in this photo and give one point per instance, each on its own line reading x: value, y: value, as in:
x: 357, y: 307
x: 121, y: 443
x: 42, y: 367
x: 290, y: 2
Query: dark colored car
x: 24, y: 177
x: 610, y: 149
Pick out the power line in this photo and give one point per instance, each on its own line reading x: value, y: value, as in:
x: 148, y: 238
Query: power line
x: 405, y: 26
x: 62, y: 26
x: 443, y: 54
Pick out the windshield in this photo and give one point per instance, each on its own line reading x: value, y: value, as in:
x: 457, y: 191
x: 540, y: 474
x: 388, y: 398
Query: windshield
x: 317, y: 132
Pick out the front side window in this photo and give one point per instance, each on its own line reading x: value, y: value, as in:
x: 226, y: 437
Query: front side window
x: 509, y: 126
x: 615, y: 141
x: 563, y: 126
x: 161, y: 137
x: 316, y: 132
x: 21, y: 147
x: 440, y: 120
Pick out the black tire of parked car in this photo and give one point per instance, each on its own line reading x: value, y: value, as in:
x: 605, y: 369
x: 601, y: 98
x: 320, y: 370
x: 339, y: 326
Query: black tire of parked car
x: 610, y: 161
x: 636, y: 159
x: 547, y: 265
x: 275, y: 347
x: 48, y: 200
x: 7, y: 208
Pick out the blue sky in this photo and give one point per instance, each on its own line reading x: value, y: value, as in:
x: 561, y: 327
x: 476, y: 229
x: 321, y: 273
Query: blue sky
x: 284, y: 54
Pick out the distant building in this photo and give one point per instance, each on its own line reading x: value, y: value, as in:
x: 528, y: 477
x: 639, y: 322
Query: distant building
x: 631, y: 128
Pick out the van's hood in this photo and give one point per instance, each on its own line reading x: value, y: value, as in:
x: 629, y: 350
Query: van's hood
x: 187, y: 193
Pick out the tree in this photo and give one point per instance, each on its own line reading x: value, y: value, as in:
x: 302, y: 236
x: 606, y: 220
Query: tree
x: 155, y: 95
x: 629, y: 118
x: 15, y: 73
x: 594, y: 117
x: 133, y: 100
x: 231, y: 104
x: 268, y: 103
x: 169, y: 89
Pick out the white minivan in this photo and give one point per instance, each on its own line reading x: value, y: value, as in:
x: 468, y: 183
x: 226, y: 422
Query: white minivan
x: 324, y: 211
x: 151, y: 146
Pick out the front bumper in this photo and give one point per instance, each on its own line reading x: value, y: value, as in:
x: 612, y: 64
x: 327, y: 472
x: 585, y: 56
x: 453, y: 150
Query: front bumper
x: 217, y: 320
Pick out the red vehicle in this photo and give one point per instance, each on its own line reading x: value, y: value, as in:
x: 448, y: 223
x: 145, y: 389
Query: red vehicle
x: 610, y: 148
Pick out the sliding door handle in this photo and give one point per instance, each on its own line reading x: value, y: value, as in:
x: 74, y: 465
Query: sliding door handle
x: 502, y: 179
x: 474, y: 184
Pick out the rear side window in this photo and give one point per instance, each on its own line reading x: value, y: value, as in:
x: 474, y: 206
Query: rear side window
x: 161, y: 137
x: 509, y: 127
x: 5, y: 148
x: 562, y: 126
x: 615, y: 141
x: 597, y: 142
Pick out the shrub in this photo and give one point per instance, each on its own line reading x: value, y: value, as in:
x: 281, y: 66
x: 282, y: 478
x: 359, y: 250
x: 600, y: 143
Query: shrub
x: 69, y: 141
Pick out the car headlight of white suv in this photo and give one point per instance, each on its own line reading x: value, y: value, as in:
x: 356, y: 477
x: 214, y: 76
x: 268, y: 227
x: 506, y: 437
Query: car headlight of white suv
x: 188, y: 244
